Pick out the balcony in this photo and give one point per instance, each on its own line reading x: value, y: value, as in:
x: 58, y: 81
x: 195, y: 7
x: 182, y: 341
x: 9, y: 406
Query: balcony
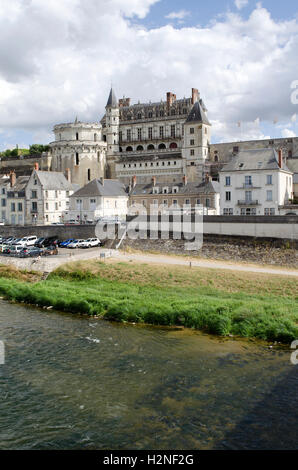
x: 248, y: 202
x: 248, y: 186
x: 154, y: 138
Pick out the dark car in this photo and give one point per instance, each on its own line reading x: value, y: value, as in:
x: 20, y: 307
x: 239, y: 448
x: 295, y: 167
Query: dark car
x: 47, y: 242
x: 50, y: 250
x: 30, y: 252
x: 39, y: 241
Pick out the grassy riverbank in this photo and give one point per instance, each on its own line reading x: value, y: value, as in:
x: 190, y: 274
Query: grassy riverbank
x: 249, y: 305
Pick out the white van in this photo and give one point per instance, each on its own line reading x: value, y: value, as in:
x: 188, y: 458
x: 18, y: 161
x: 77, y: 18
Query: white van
x: 15, y: 250
x: 27, y: 241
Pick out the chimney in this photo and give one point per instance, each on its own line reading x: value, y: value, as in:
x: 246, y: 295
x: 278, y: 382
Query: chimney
x: 36, y: 166
x: 68, y: 175
x: 102, y: 181
x: 280, y: 158
x: 208, y: 178
x: 184, y: 179
x: 194, y: 95
x: 171, y: 98
x: 153, y: 180
x: 123, y: 102
x: 13, y: 178
x: 134, y: 181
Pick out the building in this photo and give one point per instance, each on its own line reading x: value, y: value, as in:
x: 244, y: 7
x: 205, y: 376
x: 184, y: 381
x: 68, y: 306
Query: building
x: 167, y: 139
x: 4, y: 186
x: 161, y: 196
x: 47, y: 197
x: 101, y: 198
x: 16, y: 200
x: 255, y: 182
x: 79, y: 147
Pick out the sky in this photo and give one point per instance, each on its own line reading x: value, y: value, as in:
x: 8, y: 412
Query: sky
x: 58, y: 59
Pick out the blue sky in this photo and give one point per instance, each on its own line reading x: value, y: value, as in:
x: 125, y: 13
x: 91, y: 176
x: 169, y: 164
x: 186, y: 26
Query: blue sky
x: 58, y: 58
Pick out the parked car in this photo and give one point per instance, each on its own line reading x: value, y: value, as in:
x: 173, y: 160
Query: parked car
x: 42, y: 242
x: 50, y: 250
x: 30, y: 252
x: 15, y: 250
x: 28, y: 241
x: 6, y: 250
x: 16, y: 241
x: 2, y: 247
x: 76, y: 244
x: 90, y: 242
x: 65, y: 243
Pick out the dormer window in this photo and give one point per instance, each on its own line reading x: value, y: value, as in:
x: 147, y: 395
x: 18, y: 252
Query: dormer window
x: 175, y: 189
x: 155, y: 190
x: 165, y: 190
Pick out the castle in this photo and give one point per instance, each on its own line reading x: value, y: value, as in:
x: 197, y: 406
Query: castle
x: 168, y: 139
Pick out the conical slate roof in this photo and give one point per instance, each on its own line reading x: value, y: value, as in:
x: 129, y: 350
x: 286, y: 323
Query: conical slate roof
x: 112, y: 101
x: 197, y: 114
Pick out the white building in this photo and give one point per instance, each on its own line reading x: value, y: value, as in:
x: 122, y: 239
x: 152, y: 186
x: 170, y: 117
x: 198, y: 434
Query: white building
x: 255, y: 182
x: 47, y: 197
x: 16, y: 200
x: 79, y: 147
x: 101, y: 198
x: 4, y: 186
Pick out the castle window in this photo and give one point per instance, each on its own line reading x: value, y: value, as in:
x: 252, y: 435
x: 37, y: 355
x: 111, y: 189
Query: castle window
x: 192, y: 163
x: 139, y: 116
x: 77, y: 136
x: 206, y: 130
x: 192, y: 152
x: 161, y: 129
x: 150, y: 114
x: 150, y: 147
x: 161, y: 146
x: 140, y: 147
x: 192, y: 142
x: 173, y: 112
x: 129, y: 149
x: 150, y: 132
x: 95, y: 137
x: 191, y: 130
x: 139, y: 133
x: 77, y: 159
x: 235, y: 149
x: 173, y: 145
x: 161, y: 113
x: 120, y: 136
x: 216, y: 158
x: 128, y: 134
x: 89, y: 174
x: 184, y: 111
x: 173, y: 130
x: 104, y: 138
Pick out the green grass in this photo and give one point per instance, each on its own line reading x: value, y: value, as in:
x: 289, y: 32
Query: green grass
x: 172, y: 296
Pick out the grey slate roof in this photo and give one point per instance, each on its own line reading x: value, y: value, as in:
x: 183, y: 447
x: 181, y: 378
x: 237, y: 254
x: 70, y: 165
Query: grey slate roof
x: 292, y: 164
x: 53, y: 180
x: 112, y: 100
x: 96, y: 188
x: 209, y: 187
x: 295, y: 178
x: 197, y: 113
x: 255, y: 159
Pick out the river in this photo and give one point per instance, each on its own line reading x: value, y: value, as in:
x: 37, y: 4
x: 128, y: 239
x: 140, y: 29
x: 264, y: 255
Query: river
x: 71, y: 382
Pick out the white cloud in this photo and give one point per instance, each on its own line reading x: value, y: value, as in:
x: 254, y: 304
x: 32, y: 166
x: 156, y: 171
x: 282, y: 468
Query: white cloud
x: 178, y: 15
x: 241, y: 4
x: 57, y: 60
x: 288, y: 133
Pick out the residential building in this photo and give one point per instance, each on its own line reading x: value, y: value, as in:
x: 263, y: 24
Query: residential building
x: 101, y: 198
x: 47, y: 197
x: 16, y: 200
x: 161, y: 196
x: 4, y: 186
x: 255, y: 182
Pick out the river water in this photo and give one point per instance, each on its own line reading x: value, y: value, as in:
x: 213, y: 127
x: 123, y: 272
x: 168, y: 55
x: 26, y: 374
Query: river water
x: 71, y: 382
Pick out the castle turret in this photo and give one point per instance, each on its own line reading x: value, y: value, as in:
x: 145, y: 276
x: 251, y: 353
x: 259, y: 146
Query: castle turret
x: 197, y: 135
x: 112, y: 133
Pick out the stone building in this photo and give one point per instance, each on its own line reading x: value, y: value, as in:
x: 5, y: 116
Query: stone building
x: 99, y: 199
x: 160, y: 196
x: 256, y: 182
x: 166, y: 139
x: 79, y: 147
x: 16, y: 200
x: 4, y: 186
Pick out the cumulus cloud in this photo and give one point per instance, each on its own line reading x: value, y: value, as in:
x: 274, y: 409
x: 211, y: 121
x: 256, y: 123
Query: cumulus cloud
x: 178, y: 15
x: 288, y: 133
x: 241, y: 4
x: 58, y: 58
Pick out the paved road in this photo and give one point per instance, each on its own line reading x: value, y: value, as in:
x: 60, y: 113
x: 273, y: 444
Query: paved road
x: 204, y: 263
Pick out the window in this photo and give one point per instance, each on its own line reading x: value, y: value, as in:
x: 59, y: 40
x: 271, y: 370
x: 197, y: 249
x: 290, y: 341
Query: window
x: 150, y: 114
x: 269, y: 211
x: 173, y: 130
x: 92, y: 204
x: 228, y: 181
x: 248, y: 181
x: 139, y: 116
x: 192, y: 163
x: 269, y: 179
x: 207, y: 202
x: 77, y: 136
x: 192, y: 142
x: 187, y: 201
x: 3, y: 202
x: 228, y: 195
x: 20, y: 207
x: 89, y: 174
x: 35, y: 182
x: 120, y: 136
x: 139, y: 133
x: 3, y: 190
x: 79, y: 204
x: 161, y: 129
x: 13, y: 207
x: 34, y: 206
x: 269, y: 195
x: 227, y: 211
x: 56, y: 193
x: 248, y: 196
x: 235, y: 149
x: 192, y: 152
x: 150, y: 132
x: 47, y: 206
x: 77, y: 159
x: 175, y: 202
x: 95, y: 137
x: 192, y: 130
x: 128, y: 134
x: 198, y: 201
x: 33, y: 194
x: 56, y: 206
